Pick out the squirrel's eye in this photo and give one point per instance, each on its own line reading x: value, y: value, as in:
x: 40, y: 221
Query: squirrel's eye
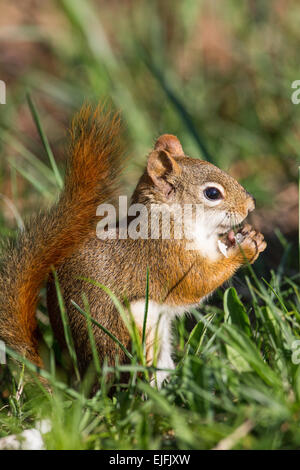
x: 212, y: 193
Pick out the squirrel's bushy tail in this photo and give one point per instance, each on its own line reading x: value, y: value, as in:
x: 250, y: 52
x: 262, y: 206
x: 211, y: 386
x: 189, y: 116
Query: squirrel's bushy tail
x: 95, y: 160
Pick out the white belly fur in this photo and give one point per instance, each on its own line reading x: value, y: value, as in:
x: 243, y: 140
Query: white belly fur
x: 159, y: 322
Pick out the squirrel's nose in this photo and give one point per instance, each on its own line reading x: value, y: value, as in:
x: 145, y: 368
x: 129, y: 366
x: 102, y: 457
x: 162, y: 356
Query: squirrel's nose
x: 251, y: 202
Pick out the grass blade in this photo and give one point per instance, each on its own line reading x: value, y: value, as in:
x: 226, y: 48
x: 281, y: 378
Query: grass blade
x: 111, y: 335
x: 45, y: 141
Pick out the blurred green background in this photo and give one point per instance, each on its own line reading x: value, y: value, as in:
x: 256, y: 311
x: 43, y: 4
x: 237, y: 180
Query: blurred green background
x: 216, y: 74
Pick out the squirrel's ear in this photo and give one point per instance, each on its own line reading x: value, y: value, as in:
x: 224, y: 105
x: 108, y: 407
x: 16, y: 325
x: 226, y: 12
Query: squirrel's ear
x: 160, y: 165
x: 170, y: 143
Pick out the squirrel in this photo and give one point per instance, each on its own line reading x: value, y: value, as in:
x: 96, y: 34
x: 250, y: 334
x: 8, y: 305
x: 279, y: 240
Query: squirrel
x: 182, y: 271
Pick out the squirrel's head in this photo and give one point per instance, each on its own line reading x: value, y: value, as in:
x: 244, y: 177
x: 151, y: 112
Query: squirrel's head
x: 171, y: 177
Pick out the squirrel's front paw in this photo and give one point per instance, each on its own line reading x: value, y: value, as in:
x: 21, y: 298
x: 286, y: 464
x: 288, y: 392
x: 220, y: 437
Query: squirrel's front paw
x: 251, y: 243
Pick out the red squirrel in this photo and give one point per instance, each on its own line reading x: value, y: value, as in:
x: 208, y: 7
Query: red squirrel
x: 182, y: 272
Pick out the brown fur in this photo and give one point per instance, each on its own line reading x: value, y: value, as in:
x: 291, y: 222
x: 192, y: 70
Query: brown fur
x: 177, y: 276
x: 94, y: 163
x: 65, y: 237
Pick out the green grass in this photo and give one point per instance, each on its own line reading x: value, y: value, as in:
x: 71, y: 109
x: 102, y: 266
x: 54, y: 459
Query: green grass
x: 236, y: 376
x: 232, y: 374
